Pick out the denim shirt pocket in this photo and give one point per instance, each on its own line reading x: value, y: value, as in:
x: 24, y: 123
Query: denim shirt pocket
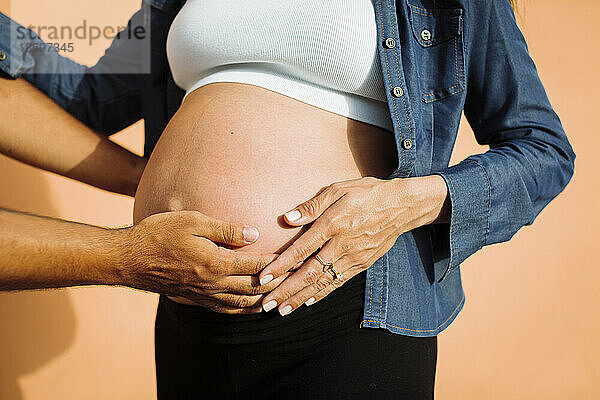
x: 440, y: 50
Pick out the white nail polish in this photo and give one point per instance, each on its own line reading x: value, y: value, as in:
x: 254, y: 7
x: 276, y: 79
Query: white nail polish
x: 293, y: 215
x: 270, y: 305
x: 266, y: 279
x: 286, y: 310
x: 310, y: 301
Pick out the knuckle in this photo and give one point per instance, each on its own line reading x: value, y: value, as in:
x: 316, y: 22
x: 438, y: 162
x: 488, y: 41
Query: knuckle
x: 353, y: 198
x: 335, y: 188
x: 322, y: 284
x: 346, y: 247
x: 211, y: 226
x: 227, y: 300
x: 217, y: 308
x: 295, y: 303
x: 243, y: 301
x: 336, y: 225
x: 194, y: 218
x: 258, y: 289
x: 200, y: 282
x: 228, y: 232
x: 210, y: 288
x: 312, y: 206
x: 311, y: 276
x: 255, y: 289
x: 206, y: 285
x: 323, y: 224
x: 321, y: 232
x: 213, y: 268
x: 300, y: 254
x: 198, y: 271
x: 259, y: 265
x: 282, y: 294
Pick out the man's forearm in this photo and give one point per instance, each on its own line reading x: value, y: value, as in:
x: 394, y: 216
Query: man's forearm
x: 38, y: 132
x: 40, y: 252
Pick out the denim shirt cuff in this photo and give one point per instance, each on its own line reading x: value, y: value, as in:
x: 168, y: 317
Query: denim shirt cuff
x: 13, y: 60
x: 470, y: 196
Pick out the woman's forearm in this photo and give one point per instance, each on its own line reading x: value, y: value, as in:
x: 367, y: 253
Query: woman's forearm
x: 38, y: 132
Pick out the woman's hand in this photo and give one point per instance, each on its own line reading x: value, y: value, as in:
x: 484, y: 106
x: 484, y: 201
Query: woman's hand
x: 354, y: 223
x: 175, y: 254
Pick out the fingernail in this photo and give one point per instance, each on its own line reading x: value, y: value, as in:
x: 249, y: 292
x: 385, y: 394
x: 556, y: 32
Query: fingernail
x: 270, y: 305
x: 266, y: 279
x: 250, y: 234
x: 286, y: 310
x: 293, y: 215
x: 310, y: 301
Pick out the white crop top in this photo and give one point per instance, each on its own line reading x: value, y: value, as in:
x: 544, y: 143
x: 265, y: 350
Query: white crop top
x: 323, y: 53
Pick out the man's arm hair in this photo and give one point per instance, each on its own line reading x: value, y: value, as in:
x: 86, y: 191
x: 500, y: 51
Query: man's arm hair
x: 42, y: 252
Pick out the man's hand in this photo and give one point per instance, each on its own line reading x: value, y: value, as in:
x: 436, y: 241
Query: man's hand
x: 172, y: 253
x: 175, y: 253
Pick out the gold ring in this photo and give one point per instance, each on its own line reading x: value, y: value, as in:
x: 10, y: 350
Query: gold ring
x: 328, y: 266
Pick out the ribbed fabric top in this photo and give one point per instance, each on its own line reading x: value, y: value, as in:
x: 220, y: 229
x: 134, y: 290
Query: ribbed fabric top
x: 323, y: 53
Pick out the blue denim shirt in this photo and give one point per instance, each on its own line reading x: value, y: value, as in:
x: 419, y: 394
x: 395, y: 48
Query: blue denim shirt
x: 437, y: 60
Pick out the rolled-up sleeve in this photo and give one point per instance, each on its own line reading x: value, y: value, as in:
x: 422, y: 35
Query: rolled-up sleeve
x: 529, y: 161
x: 17, y: 56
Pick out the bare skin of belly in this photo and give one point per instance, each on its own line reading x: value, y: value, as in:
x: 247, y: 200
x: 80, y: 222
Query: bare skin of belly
x: 242, y: 153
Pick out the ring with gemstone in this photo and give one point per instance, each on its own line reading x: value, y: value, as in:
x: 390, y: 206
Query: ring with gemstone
x: 328, y: 266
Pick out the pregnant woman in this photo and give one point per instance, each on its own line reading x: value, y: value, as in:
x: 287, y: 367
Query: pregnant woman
x: 286, y: 104
x: 284, y: 99
x: 345, y: 113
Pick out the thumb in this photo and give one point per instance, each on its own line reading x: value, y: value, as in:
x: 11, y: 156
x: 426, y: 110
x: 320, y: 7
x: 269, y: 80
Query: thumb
x: 229, y: 232
x: 311, y: 209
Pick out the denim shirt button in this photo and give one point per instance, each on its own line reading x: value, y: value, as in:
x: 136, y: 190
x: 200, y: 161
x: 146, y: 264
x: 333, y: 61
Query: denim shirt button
x: 2, y: 56
x: 426, y: 35
x: 390, y: 43
x: 406, y: 144
x: 397, y: 91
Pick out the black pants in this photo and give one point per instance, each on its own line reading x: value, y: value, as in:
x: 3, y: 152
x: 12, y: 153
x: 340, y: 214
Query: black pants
x: 312, y: 353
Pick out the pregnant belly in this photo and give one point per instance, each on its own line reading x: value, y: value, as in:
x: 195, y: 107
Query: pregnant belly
x: 245, y: 154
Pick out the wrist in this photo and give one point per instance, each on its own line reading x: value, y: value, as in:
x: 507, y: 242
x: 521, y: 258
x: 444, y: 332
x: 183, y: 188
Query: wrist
x: 430, y: 193
x: 440, y: 199
x: 114, y: 254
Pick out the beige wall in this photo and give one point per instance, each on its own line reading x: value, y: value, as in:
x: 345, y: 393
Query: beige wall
x: 529, y: 329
